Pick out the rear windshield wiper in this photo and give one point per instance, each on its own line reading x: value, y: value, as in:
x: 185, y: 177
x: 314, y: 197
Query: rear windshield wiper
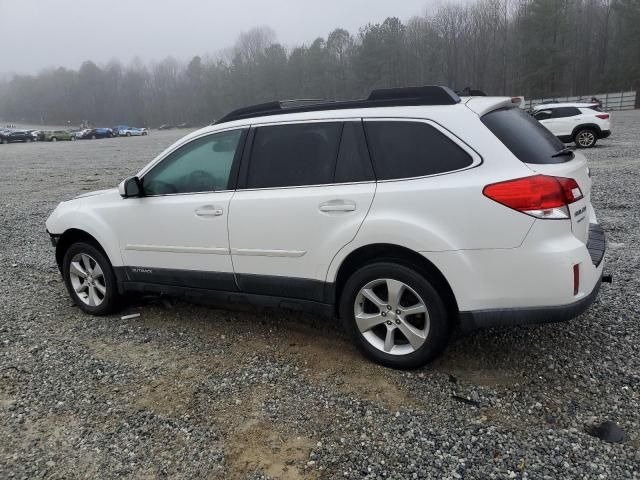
x: 564, y: 151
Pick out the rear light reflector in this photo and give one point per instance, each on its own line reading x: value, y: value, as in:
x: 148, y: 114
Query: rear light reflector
x: 576, y: 279
x: 540, y: 196
x: 603, y: 116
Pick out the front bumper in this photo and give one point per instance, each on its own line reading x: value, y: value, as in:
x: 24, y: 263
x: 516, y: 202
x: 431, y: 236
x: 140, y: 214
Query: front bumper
x: 54, y: 238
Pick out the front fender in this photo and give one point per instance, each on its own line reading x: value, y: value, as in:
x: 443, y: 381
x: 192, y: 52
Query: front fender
x: 71, y: 215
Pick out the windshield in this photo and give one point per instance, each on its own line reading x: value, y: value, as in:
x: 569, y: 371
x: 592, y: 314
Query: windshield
x: 527, y: 139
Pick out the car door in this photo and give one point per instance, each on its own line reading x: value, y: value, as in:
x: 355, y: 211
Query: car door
x: 566, y: 119
x: 176, y: 233
x: 304, y: 190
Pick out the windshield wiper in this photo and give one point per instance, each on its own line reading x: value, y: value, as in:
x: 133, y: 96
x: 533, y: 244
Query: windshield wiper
x: 564, y: 151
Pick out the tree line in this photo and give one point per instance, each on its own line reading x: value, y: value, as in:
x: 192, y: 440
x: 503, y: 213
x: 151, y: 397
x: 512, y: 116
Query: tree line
x: 533, y: 48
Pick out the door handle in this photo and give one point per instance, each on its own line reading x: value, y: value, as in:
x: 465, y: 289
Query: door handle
x: 209, y: 211
x: 337, y: 206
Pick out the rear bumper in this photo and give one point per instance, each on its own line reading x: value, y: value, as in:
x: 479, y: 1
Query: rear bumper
x: 605, y: 133
x: 483, y: 318
x: 470, y: 321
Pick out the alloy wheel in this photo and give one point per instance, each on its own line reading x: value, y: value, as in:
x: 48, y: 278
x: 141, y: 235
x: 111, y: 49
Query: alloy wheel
x: 586, y: 138
x: 391, y: 316
x: 87, y: 279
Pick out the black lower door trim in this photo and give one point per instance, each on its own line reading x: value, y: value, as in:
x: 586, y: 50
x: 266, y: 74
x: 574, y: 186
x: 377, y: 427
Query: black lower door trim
x: 288, y: 287
x: 270, y: 290
x: 223, y: 281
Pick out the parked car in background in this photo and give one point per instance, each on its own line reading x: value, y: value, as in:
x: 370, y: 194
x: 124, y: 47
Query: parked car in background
x: 406, y: 214
x: 125, y: 131
x: 166, y: 127
x: 56, y: 135
x: 10, y: 136
x: 582, y: 123
x: 80, y: 133
x: 94, y: 133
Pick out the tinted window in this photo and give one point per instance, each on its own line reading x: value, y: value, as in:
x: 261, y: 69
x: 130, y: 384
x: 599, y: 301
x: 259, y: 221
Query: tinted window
x: 353, y: 159
x: 294, y: 155
x: 412, y: 149
x: 202, y: 165
x: 543, y: 114
x: 524, y: 136
x: 563, y: 112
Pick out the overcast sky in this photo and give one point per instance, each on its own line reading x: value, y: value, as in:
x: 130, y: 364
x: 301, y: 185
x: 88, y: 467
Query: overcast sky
x: 35, y: 34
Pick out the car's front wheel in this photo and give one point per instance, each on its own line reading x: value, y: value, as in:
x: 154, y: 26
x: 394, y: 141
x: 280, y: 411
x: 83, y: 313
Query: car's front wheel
x: 394, y: 315
x: 90, y: 280
x: 585, y: 138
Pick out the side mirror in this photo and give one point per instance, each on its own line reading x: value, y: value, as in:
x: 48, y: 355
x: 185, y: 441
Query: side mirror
x: 130, y: 187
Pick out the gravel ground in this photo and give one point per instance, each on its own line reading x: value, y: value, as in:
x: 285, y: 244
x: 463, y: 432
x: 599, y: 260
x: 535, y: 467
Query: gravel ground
x: 190, y: 391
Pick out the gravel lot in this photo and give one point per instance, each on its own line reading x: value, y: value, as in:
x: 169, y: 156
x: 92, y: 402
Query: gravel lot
x: 188, y: 391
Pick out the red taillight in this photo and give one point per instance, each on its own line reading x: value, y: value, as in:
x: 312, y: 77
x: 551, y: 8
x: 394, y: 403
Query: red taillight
x: 572, y: 192
x: 540, y: 196
x: 603, y: 116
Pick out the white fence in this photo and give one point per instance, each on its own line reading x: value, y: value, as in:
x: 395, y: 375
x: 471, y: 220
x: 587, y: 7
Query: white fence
x: 610, y: 101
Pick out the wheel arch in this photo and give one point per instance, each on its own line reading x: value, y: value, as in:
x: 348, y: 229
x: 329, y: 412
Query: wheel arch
x: 402, y: 255
x: 585, y: 126
x: 75, y: 235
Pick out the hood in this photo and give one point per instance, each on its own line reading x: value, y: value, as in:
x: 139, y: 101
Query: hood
x: 93, y: 194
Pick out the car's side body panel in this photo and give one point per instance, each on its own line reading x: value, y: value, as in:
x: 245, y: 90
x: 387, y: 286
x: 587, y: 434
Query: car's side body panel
x: 289, y: 243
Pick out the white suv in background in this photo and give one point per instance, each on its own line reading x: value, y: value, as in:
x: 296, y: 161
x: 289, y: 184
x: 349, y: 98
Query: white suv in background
x: 405, y: 214
x: 582, y: 123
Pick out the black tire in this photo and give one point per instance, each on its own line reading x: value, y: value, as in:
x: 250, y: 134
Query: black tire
x: 585, y: 138
x: 54, y: 139
x: 111, y: 298
x: 128, y: 134
x: 438, y: 332
x: 144, y: 134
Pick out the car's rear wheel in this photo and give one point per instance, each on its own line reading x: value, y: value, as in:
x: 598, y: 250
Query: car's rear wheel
x: 128, y: 134
x: 89, y: 278
x: 54, y: 139
x: 394, y: 315
x: 585, y: 138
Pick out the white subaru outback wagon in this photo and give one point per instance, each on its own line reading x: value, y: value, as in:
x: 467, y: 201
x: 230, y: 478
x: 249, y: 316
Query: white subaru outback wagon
x: 406, y: 214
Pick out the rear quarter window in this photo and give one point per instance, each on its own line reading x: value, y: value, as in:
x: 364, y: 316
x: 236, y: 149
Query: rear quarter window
x: 405, y: 149
x: 527, y: 139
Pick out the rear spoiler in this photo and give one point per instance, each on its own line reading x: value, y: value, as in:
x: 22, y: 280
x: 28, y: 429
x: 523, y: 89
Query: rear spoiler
x: 484, y: 105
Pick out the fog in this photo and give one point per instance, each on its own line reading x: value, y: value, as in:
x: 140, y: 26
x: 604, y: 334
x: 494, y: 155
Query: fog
x: 36, y: 34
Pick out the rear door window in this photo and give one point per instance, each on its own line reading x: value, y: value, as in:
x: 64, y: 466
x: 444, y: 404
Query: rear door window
x: 527, y: 139
x: 407, y: 149
x: 294, y: 155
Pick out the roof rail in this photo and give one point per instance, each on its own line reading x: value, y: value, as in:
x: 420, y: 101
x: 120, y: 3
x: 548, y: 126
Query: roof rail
x: 389, y: 97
